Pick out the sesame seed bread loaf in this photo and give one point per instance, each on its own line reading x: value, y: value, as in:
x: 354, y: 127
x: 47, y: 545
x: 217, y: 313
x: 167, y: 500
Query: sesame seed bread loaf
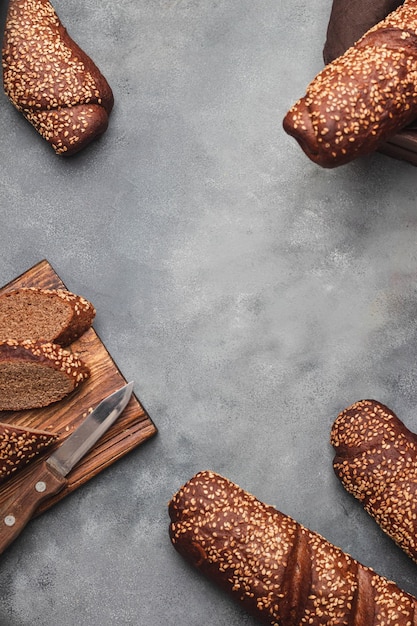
x: 35, y: 374
x: 54, y: 316
x: 347, y: 23
x: 275, y: 568
x: 51, y: 80
x: 19, y: 446
x: 363, y: 97
x: 376, y: 461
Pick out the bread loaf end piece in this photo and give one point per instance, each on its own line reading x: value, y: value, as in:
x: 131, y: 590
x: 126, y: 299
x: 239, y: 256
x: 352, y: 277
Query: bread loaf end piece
x: 51, y: 80
x: 35, y: 374
x: 363, y: 97
x: 19, y: 446
x: 376, y: 461
x: 51, y: 315
x: 274, y: 567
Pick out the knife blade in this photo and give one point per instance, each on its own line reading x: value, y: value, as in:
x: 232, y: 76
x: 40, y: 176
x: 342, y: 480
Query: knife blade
x: 50, y: 477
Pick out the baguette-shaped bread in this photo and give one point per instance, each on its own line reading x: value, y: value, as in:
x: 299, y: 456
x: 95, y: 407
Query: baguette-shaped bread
x: 277, y: 569
x: 51, y: 80
x: 376, y: 461
x: 348, y: 22
x: 19, y: 446
x: 363, y: 97
x: 35, y: 374
x: 54, y: 316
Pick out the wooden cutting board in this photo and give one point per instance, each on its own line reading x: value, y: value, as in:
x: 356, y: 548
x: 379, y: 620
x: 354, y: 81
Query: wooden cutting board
x: 131, y: 429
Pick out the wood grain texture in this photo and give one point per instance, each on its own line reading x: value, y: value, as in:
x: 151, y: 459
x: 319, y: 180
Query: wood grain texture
x: 131, y: 429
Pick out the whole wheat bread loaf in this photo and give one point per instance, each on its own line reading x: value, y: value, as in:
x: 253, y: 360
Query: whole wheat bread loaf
x: 347, y: 23
x: 54, y: 316
x: 278, y: 570
x: 34, y: 374
x: 19, y: 446
x: 363, y: 97
x: 376, y: 461
x: 51, y: 80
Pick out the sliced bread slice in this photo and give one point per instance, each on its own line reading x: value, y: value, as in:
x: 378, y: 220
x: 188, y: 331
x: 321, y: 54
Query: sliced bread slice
x: 34, y: 374
x: 51, y: 315
x: 19, y: 446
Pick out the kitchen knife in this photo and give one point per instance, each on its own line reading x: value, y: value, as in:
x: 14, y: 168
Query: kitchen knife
x: 49, y: 478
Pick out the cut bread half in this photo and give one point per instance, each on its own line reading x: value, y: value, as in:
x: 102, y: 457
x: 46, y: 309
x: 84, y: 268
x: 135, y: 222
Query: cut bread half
x: 35, y: 374
x: 51, y: 315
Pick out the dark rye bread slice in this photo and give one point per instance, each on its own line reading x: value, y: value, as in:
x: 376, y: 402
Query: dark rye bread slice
x: 376, y: 461
x: 278, y: 570
x: 35, y: 374
x: 55, y: 316
x: 19, y: 446
x: 51, y: 80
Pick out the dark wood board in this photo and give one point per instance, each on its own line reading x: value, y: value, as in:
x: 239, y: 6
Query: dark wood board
x: 131, y: 429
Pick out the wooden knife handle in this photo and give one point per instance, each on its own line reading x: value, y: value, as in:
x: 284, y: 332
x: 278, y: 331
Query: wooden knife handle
x: 41, y: 484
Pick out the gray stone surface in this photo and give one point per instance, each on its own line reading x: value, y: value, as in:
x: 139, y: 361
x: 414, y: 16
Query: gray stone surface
x: 248, y: 293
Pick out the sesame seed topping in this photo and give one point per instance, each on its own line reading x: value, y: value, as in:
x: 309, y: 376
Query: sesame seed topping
x: 49, y: 79
x: 376, y: 461
x: 362, y: 97
x: 276, y: 568
x: 18, y: 446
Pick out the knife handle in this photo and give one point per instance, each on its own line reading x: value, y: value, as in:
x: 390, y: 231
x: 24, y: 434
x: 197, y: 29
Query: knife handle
x: 41, y: 484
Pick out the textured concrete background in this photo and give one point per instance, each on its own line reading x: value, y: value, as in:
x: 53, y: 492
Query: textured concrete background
x: 249, y: 294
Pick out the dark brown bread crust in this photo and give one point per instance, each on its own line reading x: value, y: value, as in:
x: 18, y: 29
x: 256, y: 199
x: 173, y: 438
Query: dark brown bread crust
x: 376, y: 461
x: 51, y: 315
x: 34, y: 374
x: 363, y: 97
x: 54, y: 83
x: 348, y: 21
x: 278, y: 570
x: 19, y: 446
